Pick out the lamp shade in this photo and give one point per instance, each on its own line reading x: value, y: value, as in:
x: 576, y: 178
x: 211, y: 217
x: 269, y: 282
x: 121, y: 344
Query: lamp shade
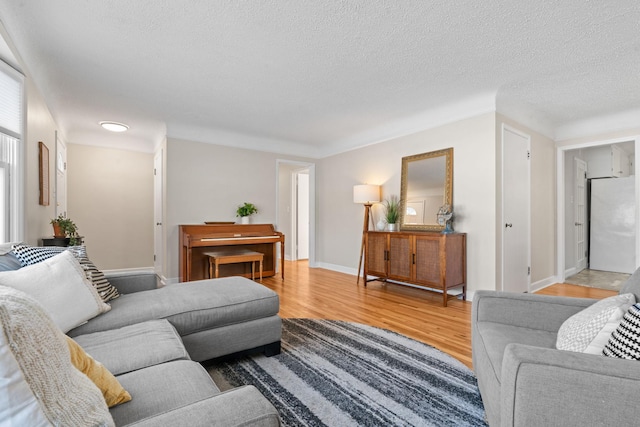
x: 366, y: 193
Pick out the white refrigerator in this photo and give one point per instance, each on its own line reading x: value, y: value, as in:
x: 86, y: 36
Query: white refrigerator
x: 612, y: 244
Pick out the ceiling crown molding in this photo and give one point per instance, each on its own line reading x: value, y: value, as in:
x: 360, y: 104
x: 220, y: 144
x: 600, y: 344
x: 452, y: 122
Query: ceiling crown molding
x: 428, y: 119
x: 621, y: 121
x: 240, y: 140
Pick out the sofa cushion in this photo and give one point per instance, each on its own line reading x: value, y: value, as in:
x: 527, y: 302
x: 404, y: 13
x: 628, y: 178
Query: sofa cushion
x: 134, y: 347
x: 9, y: 262
x: 162, y: 388
x: 38, y: 383
x: 589, y: 330
x: 191, y: 306
x: 220, y: 410
x: 496, y: 336
x: 61, y: 286
x: 625, y: 340
x: 29, y: 255
x: 111, y: 389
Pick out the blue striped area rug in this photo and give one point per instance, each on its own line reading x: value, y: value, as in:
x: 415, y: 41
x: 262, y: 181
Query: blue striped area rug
x: 334, y: 373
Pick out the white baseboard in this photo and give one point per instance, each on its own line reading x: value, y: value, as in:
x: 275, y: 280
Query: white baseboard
x: 570, y: 272
x: 128, y: 271
x: 338, y: 268
x: 170, y: 280
x: 541, y: 284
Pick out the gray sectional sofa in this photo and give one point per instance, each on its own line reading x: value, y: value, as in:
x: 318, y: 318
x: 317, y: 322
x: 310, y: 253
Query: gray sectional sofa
x: 525, y: 381
x: 153, y: 338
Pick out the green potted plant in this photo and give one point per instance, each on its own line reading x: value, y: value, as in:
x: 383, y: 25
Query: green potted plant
x: 392, y: 212
x: 65, y: 227
x: 245, y: 211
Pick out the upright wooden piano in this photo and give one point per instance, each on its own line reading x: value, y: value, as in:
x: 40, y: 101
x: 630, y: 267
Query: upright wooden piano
x: 200, y: 238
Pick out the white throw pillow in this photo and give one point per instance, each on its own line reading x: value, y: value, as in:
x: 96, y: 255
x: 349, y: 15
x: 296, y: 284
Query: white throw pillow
x: 588, y: 331
x: 29, y: 255
x: 39, y: 386
x: 61, y: 286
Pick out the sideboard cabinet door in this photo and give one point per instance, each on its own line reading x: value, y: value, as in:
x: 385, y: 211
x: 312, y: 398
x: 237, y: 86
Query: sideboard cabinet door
x: 428, y: 261
x: 400, y: 257
x: 375, y: 262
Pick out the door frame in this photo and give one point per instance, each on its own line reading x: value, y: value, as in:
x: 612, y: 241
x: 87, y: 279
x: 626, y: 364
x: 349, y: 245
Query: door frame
x: 560, y: 211
x: 312, y: 203
x: 158, y: 213
x: 502, y: 203
x: 584, y: 215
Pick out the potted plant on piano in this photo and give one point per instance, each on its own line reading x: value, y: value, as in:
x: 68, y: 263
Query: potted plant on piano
x: 245, y: 211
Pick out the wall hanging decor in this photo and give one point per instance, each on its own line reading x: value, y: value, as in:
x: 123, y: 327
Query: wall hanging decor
x: 43, y: 159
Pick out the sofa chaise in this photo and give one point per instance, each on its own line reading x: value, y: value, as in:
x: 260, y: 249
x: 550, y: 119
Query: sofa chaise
x: 152, y: 338
x: 525, y: 381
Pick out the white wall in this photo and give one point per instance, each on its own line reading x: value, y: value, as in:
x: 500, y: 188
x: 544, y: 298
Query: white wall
x: 108, y: 192
x: 474, y: 193
x: 39, y: 127
x: 629, y: 133
x: 207, y: 182
x: 110, y: 198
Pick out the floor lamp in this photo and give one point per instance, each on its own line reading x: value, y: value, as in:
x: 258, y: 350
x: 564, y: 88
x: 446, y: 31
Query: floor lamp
x: 367, y: 195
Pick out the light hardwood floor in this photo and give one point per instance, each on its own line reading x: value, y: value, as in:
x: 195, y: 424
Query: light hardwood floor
x: 324, y: 294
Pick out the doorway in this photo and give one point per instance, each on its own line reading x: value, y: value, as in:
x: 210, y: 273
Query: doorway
x: 295, y: 212
x: 602, y: 161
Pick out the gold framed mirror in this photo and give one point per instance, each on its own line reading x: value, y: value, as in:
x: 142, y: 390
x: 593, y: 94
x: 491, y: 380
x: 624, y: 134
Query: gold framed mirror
x: 427, y: 184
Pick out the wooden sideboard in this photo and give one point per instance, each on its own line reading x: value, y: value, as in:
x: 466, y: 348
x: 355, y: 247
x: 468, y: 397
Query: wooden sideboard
x: 197, y: 239
x: 430, y: 259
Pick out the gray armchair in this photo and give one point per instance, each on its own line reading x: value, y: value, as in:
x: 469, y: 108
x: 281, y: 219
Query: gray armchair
x: 525, y: 381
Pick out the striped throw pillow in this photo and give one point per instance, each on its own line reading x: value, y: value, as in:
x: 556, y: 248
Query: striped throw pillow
x: 29, y: 255
x: 625, y: 340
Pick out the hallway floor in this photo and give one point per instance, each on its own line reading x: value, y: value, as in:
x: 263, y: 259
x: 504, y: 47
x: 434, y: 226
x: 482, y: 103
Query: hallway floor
x: 598, y: 279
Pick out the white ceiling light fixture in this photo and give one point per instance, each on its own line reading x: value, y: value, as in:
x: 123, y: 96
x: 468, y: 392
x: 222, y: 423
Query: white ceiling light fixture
x: 114, y: 126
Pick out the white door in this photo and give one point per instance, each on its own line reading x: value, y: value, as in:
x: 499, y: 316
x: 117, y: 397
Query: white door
x: 515, y: 211
x: 61, y: 177
x: 157, y: 213
x: 302, y: 215
x: 580, y: 213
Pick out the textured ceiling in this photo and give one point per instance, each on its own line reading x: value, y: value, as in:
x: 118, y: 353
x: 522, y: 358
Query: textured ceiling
x: 315, y: 77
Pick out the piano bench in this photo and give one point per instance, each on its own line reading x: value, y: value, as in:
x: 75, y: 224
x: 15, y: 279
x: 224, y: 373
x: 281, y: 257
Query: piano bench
x: 233, y: 256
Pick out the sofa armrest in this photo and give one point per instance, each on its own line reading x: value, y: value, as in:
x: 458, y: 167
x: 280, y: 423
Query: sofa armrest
x: 542, y: 386
x: 542, y: 312
x: 242, y: 406
x: 130, y: 283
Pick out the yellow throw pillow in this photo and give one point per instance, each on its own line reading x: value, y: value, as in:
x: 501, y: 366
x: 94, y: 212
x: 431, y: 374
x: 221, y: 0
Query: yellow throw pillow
x: 111, y: 389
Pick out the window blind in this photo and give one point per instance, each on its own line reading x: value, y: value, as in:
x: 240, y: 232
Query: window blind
x: 11, y: 99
